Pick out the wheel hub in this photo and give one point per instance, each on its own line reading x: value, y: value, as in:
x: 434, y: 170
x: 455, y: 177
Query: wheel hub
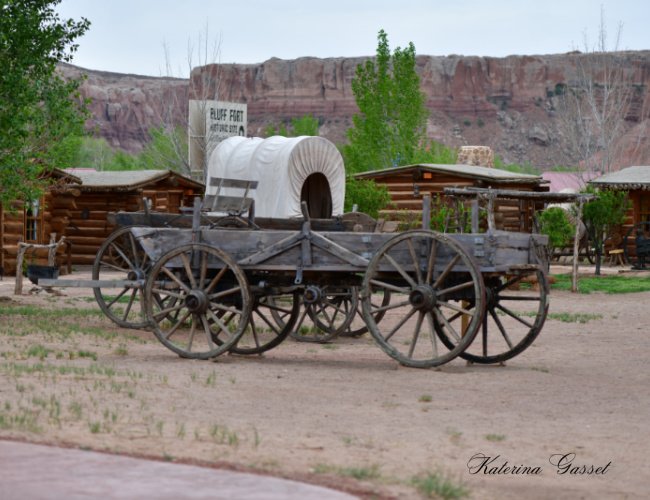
x: 135, y: 274
x: 196, y: 301
x: 312, y: 294
x: 423, y: 297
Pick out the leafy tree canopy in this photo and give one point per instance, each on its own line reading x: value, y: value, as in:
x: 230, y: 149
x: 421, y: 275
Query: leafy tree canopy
x: 390, y: 128
x: 305, y: 125
x: 38, y: 108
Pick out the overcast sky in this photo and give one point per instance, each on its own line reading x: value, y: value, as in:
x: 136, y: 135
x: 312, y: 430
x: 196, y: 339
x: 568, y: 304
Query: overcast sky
x: 131, y: 36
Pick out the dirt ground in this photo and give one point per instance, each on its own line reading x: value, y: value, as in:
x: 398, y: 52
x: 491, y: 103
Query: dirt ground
x: 329, y: 413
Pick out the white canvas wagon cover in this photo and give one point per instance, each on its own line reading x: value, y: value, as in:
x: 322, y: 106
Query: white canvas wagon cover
x: 289, y: 170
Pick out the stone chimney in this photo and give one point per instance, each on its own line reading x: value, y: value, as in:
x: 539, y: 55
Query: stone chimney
x: 481, y: 156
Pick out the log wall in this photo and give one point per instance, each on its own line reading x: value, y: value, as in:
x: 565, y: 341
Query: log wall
x: 510, y: 215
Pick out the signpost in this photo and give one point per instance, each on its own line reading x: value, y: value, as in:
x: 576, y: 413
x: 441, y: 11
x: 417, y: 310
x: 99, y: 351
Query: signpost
x: 210, y: 122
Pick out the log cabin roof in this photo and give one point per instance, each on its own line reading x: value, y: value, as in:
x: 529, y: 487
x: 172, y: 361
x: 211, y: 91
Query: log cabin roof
x: 627, y: 179
x: 129, y: 180
x: 493, y: 175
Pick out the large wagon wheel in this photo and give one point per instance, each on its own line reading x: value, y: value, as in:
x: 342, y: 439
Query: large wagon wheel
x: 272, y: 318
x: 197, y: 301
x: 331, y: 310
x: 516, y: 309
x: 121, y: 258
x: 424, y: 272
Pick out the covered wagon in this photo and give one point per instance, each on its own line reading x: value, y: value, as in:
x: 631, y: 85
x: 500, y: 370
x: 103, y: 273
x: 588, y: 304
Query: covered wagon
x: 288, y: 170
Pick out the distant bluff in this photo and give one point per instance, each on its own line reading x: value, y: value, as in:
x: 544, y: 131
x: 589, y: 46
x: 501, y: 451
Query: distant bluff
x: 505, y: 103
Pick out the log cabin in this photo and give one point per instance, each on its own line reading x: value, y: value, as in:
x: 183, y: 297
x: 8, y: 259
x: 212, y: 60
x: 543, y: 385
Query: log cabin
x: 104, y: 192
x: 36, y: 220
x: 407, y: 185
x: 636, y: 182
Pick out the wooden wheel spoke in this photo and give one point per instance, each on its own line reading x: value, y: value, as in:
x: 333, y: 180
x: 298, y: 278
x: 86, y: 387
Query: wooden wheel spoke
x: 531, y: 298
x: 192, y: 331
x: 432, y: 334
x: 510, y: 282
x: 114, y: 267
x: 514, y: 315
x: 188, y: 269
x: 441, y: 317
x: 177, y: 325
x: 273, y: 326
x: 416, y: 333
x: 455, y: 288
x: 501, y: 328
x: 388, y: 286
x: 221, y: 307
x: 203, y: 269
x: 165, y: 312
x: 123, y: 255
x: 254, y: 332
x: 401, y: 271
x: 216, y: 279
x: 432, y: 261
x: 447, y: 270
x: 207, y: 330
x: 134, y: 249
x: 224, y: 293
x: 175, y: 279
x: 273, y: 307
x: 119, y: 296
x: 400, y: 324
x: 379, y: 309
x: 130, y: 304
x: 416, y: 263
x: 453, y: 307
x: 168, y: 293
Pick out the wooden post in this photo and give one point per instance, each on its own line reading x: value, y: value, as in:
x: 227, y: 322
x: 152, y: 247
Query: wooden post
x: 51, y: 251
x: 576, y: 246
x: 475, y: 227
x: 490, y: 211
x: 426, y: 211
x: 18, y: 288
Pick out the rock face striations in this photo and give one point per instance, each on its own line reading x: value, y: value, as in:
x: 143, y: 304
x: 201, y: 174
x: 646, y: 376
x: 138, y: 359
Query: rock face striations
x: 509, y: 104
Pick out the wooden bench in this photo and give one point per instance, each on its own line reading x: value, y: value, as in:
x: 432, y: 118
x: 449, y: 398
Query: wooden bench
x: 232, y: 206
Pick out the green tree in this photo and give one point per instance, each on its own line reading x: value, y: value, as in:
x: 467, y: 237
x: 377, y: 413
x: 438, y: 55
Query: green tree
x: 554, y: 222
x: 305, y: 125
x: 167, y: 149
x: 38, y: 108
x: 602, y: 216
x: 366, y: 195
x: 390, y: 128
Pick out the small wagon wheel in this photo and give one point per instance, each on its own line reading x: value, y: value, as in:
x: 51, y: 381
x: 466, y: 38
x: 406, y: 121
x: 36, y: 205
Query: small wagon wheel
x: 121, y: 258
x: 272, y: 318
x: 424, y: 272
x: 516, y: 309
x: 197, y: 301
x: 331, y: 310
x: 379, y: 302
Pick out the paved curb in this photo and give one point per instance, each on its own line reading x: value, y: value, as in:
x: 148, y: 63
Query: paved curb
x: 31, y: 471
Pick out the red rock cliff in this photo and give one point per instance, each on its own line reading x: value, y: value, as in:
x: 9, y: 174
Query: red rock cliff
x: 505, y: 103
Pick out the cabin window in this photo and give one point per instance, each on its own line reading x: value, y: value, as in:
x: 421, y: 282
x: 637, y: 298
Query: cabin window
x: 644, y: 208
x: 33, y: 221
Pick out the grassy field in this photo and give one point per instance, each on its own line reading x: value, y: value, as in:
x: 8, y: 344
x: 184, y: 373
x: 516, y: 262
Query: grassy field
x: 611, y: 284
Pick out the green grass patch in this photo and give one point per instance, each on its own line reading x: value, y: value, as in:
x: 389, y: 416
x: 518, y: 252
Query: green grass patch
x: 437, y: 485
x: 607, y: 283
x: 574, y: 317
